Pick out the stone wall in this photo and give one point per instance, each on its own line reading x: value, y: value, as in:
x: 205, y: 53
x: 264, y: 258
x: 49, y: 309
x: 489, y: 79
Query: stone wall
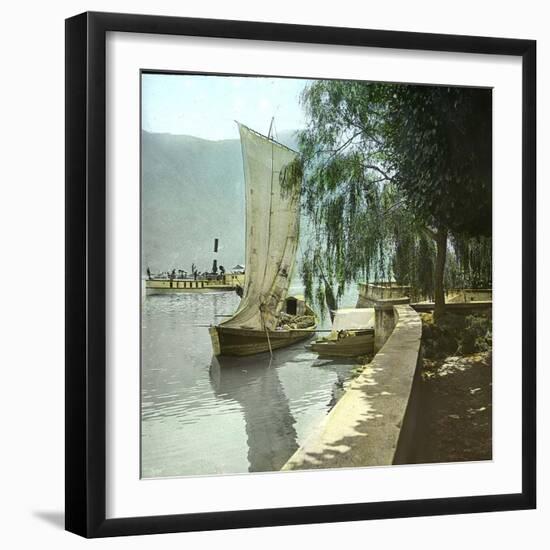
x: 367, y: 425
x: 370, y: 294
x: 469, y: 295
x: 465, y: 308
x: 384, y: 320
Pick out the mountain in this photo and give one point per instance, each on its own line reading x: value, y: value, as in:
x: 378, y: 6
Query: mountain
x: 192, y: 191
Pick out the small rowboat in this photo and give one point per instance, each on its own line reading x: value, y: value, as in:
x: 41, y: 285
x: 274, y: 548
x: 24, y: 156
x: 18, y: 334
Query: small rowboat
x: 346, y: 344
x: 352, y: 335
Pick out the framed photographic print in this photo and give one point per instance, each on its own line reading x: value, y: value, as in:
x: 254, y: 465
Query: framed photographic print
x: 300, y: 274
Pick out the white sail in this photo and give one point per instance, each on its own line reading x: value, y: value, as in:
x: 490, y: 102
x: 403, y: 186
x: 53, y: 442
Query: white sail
x: 272, y: 226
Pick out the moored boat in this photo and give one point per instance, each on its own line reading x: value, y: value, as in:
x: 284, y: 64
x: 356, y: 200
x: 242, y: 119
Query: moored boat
x: 260, y: 323
x: 227, y: 340
x: 352, y: 334
x: 166, y: 285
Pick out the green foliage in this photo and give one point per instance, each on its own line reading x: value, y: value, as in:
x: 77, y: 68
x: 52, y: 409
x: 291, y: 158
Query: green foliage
x: 441, y: 142
x: 456, y: 335
x: 291, y: 177
x: 385, y: 165
x: 476, y: 336
x: 473, y: 261
x: 413, y: 263
x: 424, y: 281
x: 403, y: 261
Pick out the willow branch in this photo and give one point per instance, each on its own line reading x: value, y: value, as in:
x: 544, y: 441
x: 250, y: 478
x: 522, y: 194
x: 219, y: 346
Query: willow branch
x: 332, y: 151
x: 394, y: 205
x: 430, y: 232
x: 379, y: 170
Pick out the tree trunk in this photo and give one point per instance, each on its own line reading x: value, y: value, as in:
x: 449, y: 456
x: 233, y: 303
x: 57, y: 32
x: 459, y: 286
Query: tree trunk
x: 441, y: 256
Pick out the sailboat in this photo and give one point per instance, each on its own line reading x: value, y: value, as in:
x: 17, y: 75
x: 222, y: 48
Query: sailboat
x: 266, y: 318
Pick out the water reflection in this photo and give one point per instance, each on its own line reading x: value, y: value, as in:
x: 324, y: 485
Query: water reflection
x: 207, y: 416
x: 254, y: 384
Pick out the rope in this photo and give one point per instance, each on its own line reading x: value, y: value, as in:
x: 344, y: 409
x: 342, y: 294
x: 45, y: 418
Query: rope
x: 261, y: 308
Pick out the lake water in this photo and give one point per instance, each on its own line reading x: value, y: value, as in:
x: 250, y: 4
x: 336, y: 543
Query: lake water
x: 203, y: 415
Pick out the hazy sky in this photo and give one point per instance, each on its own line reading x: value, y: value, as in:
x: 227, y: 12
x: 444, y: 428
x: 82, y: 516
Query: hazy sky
x: 207, y: 106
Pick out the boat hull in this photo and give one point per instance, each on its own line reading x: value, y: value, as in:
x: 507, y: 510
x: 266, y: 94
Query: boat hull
x: 352, y: 346
x: 242, y: 342
x: 175, y: 290
x: 226, y: 283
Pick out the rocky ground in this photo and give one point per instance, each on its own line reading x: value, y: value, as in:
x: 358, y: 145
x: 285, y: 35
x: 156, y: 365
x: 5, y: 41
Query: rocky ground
x: 455, y: 420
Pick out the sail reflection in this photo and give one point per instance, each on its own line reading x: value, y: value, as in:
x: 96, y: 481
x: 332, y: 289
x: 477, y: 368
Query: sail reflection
x: 197, y: 420
x: 254, y: 383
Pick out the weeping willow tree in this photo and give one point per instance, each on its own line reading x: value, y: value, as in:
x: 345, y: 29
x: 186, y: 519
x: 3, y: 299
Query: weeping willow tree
x: 472, y: 262
x: 390, y: 171
x: 414, y: 264
x: 349, y: 238
x: 468, y: 265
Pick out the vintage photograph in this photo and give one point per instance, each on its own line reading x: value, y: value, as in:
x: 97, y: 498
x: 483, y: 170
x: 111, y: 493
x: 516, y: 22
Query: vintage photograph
x: 316, y: 274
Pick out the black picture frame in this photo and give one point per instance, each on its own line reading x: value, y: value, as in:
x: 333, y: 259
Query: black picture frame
x: 86, y: 281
